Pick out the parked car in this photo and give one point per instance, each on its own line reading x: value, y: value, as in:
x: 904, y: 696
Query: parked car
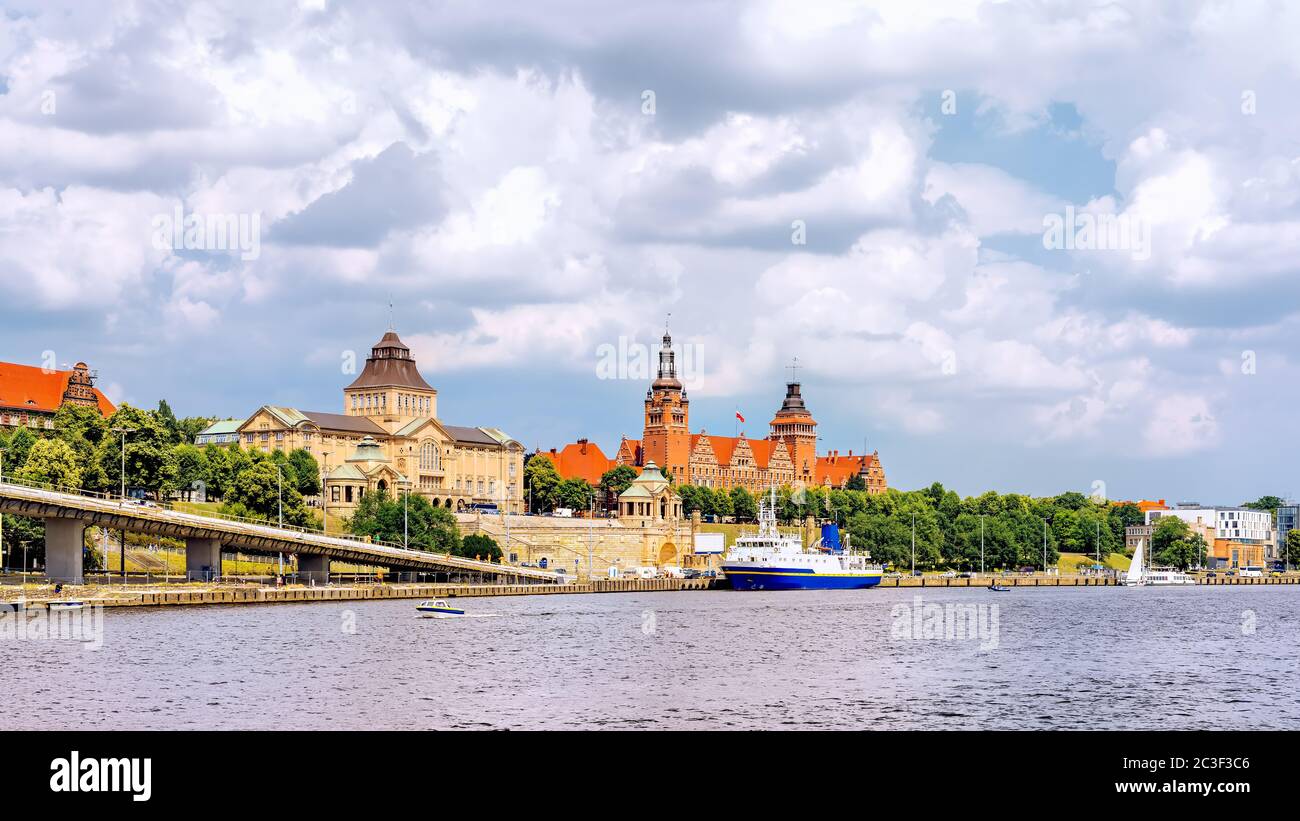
x: 690, y: 573
x: 949, y: 574
x: 966, y: 575
x: 708, y: 574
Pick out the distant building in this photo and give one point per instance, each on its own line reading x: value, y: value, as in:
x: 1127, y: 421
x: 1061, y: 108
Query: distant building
x: 787, y: 456
x: 649, y: 499
x: 30, y: 396
x: 389, y: 438
x: 1242, y: 537
x: 1288, y: 518
x: 582, y: 459
x: 225, y: 432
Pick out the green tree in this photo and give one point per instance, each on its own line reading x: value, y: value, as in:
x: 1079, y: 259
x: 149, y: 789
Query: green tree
x: 575, y: 494
x: 307, y: 472
x: 541, y: 481
x: 743, y: 505
x: 479, y: 546
x: 1173, y: 544
x: 149, y: 462
x: 17, y: 447
x: 1292, y: 556
x: 1269, y: 503
x: 856, y: 482
x: 388, y: 519
x: 51, y: 462
x: 616, y: 480
x: 84, y: 429
x: 256, y: 493
x: 722, y: 503
x: 191, y: 466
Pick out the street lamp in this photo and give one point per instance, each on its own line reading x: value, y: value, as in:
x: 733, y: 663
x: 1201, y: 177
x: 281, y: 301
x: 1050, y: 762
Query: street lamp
x: 279, y: 477
x: 913, y: 544
x: 123, y: 432
x: 324, y: 498
x: 981, y: 544
x: 1044, y: 547
x: 121, y: 544
x: 2, y: 516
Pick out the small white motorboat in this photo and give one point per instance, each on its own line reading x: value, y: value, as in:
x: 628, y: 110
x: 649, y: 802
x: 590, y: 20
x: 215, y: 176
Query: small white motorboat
x: 438, y: 607
x: 67, y: 604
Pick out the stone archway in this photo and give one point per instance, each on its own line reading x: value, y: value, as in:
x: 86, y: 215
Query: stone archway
x: 667, y: 554
x: 437, y: 502
x: 382, y: 487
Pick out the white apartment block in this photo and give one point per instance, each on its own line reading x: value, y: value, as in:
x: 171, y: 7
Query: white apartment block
x: 1236, y: 523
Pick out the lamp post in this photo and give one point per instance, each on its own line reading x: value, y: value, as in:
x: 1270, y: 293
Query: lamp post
x: 123, y: 432
x: 121, y: 544
x: 981, y: 544
x: 913, y: 544
x: 1044, y: 547
x: 2, y: 516
x: 324, y: 497
x: 279, y: 478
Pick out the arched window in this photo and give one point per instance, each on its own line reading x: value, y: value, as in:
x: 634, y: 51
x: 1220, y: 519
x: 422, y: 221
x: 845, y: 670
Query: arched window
x: 428, y: 456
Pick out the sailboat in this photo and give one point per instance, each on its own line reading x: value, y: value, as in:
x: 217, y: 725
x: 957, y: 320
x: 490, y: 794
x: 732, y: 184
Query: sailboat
x: 1134, y: 576
x: 1153, y: 576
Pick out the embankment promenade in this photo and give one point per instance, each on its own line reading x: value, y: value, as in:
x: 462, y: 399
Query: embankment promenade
x: 37, y: 597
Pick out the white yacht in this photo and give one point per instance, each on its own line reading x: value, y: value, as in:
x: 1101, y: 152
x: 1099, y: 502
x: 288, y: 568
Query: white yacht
x: 1140, y: 575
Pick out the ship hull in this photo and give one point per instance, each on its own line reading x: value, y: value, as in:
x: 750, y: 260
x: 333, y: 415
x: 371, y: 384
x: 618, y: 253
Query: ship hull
x: 743, y: 578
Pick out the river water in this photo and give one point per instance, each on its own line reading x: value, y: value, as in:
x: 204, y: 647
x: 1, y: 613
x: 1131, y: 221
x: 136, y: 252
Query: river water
x: 1087, y: 658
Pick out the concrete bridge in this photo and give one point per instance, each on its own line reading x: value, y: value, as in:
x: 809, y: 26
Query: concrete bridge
x: 68, y: 513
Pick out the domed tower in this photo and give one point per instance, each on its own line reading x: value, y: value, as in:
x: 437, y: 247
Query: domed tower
x: 666, y: 439
x: 794, y: 426
x: 390, y: 389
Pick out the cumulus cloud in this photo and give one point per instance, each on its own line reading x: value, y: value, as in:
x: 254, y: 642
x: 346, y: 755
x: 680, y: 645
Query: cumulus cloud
x: 793, y: 191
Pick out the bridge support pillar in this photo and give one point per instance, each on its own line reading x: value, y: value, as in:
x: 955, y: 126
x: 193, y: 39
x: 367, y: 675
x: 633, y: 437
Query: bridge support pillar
x: 202, y: 559
x: 315, y: 568
x: 64, y: 540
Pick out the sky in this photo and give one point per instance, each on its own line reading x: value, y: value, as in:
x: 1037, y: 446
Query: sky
x: 897, y: 194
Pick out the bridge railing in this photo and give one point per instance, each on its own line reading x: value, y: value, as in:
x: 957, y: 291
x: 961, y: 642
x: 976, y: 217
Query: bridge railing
x: 167, y: 506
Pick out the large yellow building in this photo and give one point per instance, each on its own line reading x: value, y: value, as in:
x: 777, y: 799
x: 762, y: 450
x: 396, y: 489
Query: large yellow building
x: 389, y: 438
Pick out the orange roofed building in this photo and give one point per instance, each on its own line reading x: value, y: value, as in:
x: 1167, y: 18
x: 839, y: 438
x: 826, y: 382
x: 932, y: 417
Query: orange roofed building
x: 788, y: 456
x: 579, y: 460
x: 30, y: 396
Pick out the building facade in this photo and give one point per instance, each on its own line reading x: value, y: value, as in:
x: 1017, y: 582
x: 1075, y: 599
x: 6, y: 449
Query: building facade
x: 223, y: 432
x: 389, y: 438
x: 787, y: 456
x: 31, y: 396
x: 1242, y: 537
x: 1288, y: 519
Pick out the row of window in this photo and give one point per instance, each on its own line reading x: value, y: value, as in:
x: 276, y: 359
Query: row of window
x: 379, y: 401
x: 23, y: 420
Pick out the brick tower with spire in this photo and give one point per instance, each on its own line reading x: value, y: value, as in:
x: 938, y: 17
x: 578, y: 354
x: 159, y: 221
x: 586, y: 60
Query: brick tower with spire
x: 795, y: 426
x: 666, y: 439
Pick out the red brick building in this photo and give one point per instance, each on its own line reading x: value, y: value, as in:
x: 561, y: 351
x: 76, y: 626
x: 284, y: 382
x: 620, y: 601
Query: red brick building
x: 30, y: 396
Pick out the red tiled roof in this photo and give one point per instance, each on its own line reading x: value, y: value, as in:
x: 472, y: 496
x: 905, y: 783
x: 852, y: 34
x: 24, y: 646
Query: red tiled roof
x: 581, y: 460
x: 762, y: 451
x: 24, y: 387
x: 835, y: 470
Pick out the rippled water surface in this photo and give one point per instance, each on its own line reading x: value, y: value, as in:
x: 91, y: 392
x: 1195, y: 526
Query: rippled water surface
x: 1224, y: 657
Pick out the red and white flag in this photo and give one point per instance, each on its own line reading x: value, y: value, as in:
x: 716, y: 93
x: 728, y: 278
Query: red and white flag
x: 738, y: 416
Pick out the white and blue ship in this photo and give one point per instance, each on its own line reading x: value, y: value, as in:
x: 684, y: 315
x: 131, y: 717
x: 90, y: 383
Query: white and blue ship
x: 770, y: 560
